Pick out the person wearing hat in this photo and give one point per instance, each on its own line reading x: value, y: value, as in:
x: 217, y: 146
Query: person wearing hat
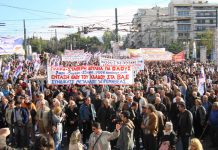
x: 126, y: 139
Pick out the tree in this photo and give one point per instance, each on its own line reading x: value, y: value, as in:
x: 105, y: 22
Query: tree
x: 175, y: 47
x: 207, y: 40
x: 108, y: 36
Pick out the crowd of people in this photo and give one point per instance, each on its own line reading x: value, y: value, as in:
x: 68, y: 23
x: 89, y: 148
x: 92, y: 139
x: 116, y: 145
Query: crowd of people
x: 163, y: 108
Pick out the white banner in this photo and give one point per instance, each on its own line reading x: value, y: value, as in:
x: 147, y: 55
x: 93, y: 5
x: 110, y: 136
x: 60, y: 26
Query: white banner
x: 158, y: 57
x: 74, y: 58
x: 101, y: 75
x: 71, y: 52
x: 138, y: 64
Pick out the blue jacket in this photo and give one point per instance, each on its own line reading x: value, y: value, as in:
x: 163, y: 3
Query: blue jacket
x: 213, y: 118
x: 24, y: 113
x: 85, y: 112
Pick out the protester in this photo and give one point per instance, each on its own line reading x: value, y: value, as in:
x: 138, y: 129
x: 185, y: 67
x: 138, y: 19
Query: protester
x: 213, y: 123
x: 44, y: 142
x: 168, y: 140
x: 185, y: 125
x: 87, y: 115
x: 125, y: 140
x: 75, y: 141
x: 150, y: 128
x: 99, y: 139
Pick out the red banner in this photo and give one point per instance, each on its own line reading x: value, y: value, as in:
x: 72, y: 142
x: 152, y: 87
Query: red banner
x: 179, y: 57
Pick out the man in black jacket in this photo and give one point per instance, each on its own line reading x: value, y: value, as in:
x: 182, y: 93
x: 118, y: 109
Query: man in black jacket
x: 185, y: 125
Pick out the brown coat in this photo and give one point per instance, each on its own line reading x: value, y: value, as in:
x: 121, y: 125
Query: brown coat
x: 152, y: 123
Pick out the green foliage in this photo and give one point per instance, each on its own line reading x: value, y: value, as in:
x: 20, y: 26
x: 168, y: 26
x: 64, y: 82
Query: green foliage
x: 175, y: 47
x: 108, y: 36
x: 207, y: 40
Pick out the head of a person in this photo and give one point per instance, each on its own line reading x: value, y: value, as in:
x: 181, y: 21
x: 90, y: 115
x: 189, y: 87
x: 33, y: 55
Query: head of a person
x: 129, y: 99
x: 138, y: 94
x: 57, y: 111
x: 87, y: 100
x: 96, y: 127
x: 168, y: 126
x: 71, y: 103
x: 41, y: 96
x: 75, y: 137
x: 42, y: 104
x: 44, y: 142
x: 205, y: 99
x: 195, y: 144
x: 157, y: 100
x: 60, y: 96
x: 106, y: 102
x: 144, y: 109
x: 198, y: 102
x: 4, y: 100
x: 125, y: 115
x: 150, y: 108
x: 11, y: 104
x: 22, y: 98
x: 157, y: 95
x: 98, y: 96
x: 108, y: 94
x: 215, y: 106
x: 18, y: 104
x: 56, y: 102
x: 152, y: 91
x: 181, y: 106
x: 194, y: 94
x: 212, y: 93
x: 134, y: 106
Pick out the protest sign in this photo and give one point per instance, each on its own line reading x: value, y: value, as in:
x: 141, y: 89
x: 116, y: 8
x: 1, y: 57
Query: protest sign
x: 101, y: 75
x: 74, y: 58
x: 71, y: 52
x: 138, y: 64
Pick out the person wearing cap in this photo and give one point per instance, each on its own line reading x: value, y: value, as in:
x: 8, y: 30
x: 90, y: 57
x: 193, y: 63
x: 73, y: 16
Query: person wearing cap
x: 185, y: 125
x: 126, y: 139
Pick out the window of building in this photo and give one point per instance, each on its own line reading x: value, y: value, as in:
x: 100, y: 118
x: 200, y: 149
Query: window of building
x: 184, y: 27
x: 211, y: 21
x: 183, y: 13
x: 180, y: 34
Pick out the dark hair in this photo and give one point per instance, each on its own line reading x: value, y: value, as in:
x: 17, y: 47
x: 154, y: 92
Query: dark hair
x: 182, y: 104
x: 134, y: 104
x: 44, y: 142
x: 96, y: 125
x: 126, y: 114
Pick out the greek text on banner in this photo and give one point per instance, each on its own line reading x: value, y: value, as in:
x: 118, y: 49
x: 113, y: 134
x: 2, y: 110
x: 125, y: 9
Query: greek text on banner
x: 102, y: 75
